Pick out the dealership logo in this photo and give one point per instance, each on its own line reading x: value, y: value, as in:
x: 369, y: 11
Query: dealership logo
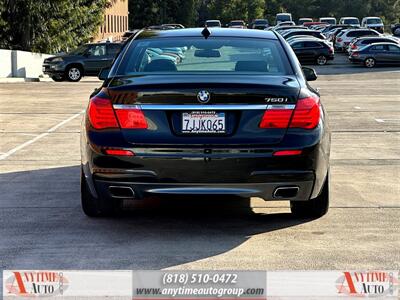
x: 36, y: 283
x: 367, y: 284
x: 203, y: 96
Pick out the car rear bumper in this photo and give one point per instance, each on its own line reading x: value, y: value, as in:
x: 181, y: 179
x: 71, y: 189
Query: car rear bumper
x: 261, y: 175
x: 294, y: 190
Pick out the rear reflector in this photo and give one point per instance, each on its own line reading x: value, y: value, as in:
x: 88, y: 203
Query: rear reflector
x: 119, y: 152
x: 276, y: 118
x: 307, y: 113
x: 101, y: 113
x: 131, y: 118
x: 287, y: 152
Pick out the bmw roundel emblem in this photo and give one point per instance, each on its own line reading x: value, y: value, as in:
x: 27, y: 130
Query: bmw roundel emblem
x: 203, y: 96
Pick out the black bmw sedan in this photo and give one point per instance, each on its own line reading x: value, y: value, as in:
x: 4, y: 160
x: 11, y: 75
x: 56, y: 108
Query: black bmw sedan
x: 235, y: 116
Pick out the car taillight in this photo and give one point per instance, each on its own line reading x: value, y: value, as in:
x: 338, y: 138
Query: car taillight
x: 131, y: 118
x: 276, y: 118
x: 355, y: 54
x: 307, y: 113
x: 353, y: 46
x: 101, y: 113
x: 339, y: 40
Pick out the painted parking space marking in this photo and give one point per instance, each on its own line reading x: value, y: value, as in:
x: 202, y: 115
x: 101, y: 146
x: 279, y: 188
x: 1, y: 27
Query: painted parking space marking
x: 40, y: 136
x: 387, y: 120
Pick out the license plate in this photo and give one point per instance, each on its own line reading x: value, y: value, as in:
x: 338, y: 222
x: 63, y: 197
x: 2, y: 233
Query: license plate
x: 203, y: 122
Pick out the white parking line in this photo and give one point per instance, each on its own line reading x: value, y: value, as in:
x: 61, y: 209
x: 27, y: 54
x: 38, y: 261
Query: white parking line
x: 387, y: 120
x: 35, y: 139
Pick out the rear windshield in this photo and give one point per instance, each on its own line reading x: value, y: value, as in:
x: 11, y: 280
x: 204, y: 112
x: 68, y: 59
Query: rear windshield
x: 213, y: 23
x: 351, y: 21
x: 237, y: 23
x: 261, y: 22
x: 374, y: 21
x: 198, y: 55
x: 284, y: 18
x: 329, y: 21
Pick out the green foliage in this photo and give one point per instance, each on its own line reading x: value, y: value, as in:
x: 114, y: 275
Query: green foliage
x: 49, y: 26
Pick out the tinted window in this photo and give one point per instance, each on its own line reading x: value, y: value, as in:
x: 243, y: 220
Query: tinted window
x: 113, y: 49
x: 233, y: 55
x: 261, y: 22
x: 283, y: 18
x: 80, y: 50
x: 236, y: 23
x: 212, y: 23
x: 298, y: 45
x: 394, y: 48
x: 374, y: 21
x: 351, y: 21
x: 97, y: 50
x: 312, y: 45
x: 379, y: 48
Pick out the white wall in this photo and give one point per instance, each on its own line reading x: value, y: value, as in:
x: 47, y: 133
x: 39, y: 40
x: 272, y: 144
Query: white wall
x: 21, y: 64
x: 5, y: 63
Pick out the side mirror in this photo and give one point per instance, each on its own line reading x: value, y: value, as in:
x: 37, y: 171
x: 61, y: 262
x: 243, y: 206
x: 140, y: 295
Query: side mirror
x: 309, y: 74
x: 103, y: 75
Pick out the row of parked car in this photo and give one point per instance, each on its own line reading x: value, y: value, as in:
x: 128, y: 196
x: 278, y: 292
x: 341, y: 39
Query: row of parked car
x: 316, y: 43
x: 375, y: 23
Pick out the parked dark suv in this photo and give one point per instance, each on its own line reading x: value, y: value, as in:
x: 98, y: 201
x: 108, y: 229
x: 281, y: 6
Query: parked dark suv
x: 86, y: 60
x: 311, y: 50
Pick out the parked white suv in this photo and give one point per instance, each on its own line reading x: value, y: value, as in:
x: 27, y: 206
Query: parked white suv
x: 350, y: 21
x: 344, y: 38
x: 375, y: 23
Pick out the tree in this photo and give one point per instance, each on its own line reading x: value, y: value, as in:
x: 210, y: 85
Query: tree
x: 49, y: 26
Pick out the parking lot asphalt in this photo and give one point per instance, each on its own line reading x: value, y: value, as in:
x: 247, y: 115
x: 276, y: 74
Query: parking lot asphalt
x: 42, y: 226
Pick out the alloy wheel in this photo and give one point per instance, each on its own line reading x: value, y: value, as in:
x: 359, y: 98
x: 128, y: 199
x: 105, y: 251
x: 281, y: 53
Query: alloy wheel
x: 370, y: 62
x: 74, y: 74
x: 321, y: 60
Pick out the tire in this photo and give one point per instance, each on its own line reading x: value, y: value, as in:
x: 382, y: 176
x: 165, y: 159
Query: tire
x: 57, y: 78
x: 313, y: 208
x: 74, y: 73
x: 370, y: 62
x: 322, y: 60
x: 95, y: 207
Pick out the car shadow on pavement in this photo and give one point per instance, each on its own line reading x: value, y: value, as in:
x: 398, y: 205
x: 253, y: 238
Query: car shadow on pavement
x: 42, y: 227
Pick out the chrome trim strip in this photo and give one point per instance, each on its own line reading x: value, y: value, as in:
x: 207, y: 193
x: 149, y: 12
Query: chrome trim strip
x: 281, y: 106
x: 204, y: 107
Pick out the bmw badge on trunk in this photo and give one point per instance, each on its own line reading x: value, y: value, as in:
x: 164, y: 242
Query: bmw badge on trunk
x: 203, y: 96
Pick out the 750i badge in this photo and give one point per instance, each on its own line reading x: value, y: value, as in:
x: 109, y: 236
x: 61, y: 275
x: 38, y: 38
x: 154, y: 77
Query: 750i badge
x: 276, y: 100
